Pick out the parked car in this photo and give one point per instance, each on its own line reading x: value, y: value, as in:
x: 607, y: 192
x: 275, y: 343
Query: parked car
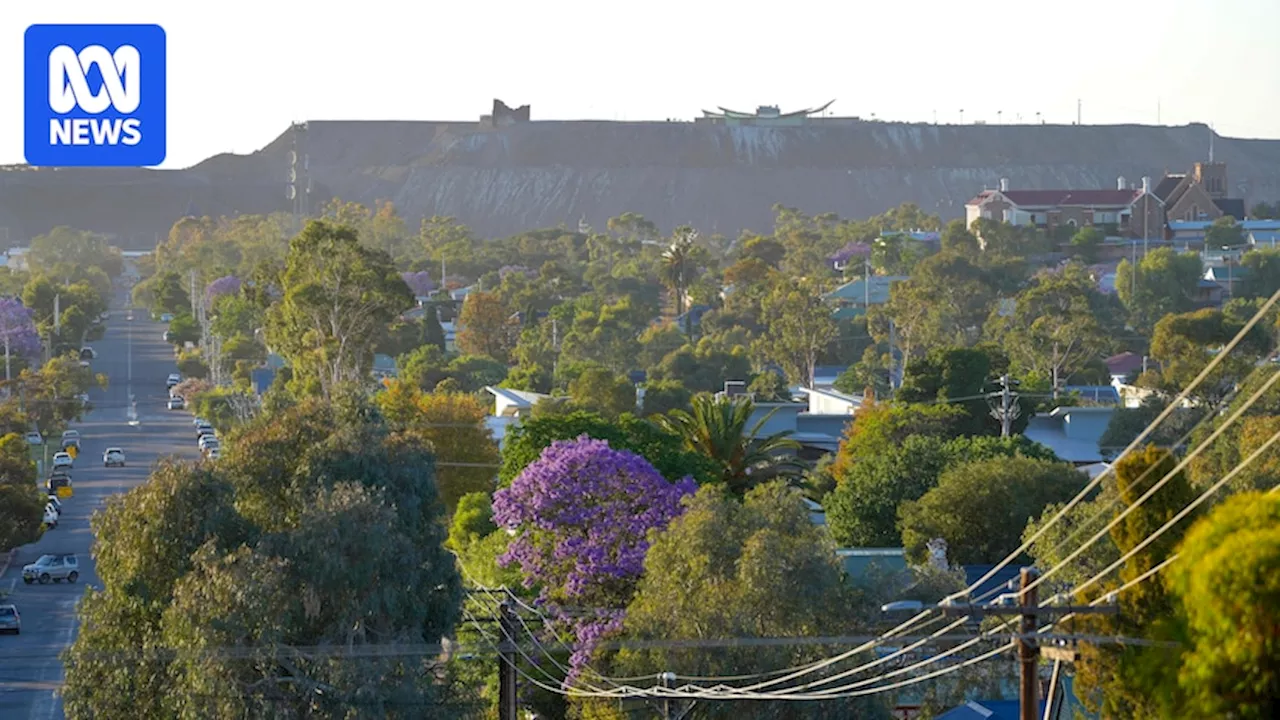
x: 88, y: 353
x: 50, y: 516
x: 54, y: 568
x: 57, y: 481
x: 63, y: 460
x: 176, y: 402
x: 69, y: 438
x: 213, y: 453
x: 113, y: 456
x: 56, y: 503
x: 10, y: 620
x: 167, y: 317
x: 174, y: 379
x: 35, y: 438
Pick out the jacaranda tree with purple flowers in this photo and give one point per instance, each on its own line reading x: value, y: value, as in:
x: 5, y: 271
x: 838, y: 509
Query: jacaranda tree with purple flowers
x: 580, y: 516
x: 18, y: 335
x: 225, y: 285
x: 419, y: 282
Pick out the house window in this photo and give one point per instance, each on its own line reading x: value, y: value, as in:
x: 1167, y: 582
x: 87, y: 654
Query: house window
x: 1007, y: 216
x: 1071, y: 222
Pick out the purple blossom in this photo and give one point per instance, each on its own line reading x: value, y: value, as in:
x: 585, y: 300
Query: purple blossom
x: 506, y: 270
x: 18, y: 329
x: 225, y: 285
x: 580, y: 516
x: 419, y: 282
x: 848, y: 252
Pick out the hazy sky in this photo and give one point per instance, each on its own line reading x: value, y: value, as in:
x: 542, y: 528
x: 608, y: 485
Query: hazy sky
x: 240, y: 71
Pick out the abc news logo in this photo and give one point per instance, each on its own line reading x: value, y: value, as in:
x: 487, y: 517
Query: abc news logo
x: 95, y: 95
x: 69, y: 89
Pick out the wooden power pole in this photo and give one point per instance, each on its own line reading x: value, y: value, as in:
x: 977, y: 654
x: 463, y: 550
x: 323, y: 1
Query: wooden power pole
x: 507, y: 665
x: 1028, y: 649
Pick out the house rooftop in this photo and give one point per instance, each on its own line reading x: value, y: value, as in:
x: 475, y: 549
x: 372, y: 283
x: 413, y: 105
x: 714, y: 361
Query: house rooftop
x: 1063, y: 198
x: 856, y: 291
x: 519, y: 398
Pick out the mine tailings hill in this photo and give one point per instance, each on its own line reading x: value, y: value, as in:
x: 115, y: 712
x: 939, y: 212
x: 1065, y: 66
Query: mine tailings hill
x: 542, y: 174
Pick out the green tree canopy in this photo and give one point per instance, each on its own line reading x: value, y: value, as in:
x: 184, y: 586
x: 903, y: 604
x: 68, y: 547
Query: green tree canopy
x: 1227, y: 580
x: 1004, y: 491
x: 730, y: 569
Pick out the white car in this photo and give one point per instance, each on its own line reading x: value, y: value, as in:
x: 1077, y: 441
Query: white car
x: 199, y: 421
x: 113, y: 456
x: 35, y: 438
x: 206, y: 440
x: 176, y: 402
x: 174, y: 379
x: 50, y: 516
x: 213, y: 453
x: 71, y: 437
x: 63, y: 460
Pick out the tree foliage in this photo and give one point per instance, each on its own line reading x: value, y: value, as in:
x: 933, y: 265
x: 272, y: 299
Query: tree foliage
x: 580, y: 516
x: 318, y: 529
x: 1005, y: 492
x: 755, y: 568
x: 339, y: 297
x: 1227, y: 580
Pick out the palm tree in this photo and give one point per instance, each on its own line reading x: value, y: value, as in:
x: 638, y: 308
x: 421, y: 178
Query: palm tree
x: 718, y: 428
x: 679, y: 265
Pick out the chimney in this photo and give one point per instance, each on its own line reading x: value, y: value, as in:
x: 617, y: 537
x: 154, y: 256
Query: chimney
x: 734, y: 388
x: 1146, y: 184
x: 1004, y: 184
x: 1120, y: 183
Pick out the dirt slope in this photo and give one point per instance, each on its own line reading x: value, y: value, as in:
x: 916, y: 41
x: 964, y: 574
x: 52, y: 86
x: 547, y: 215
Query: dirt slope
x: 546, y: 173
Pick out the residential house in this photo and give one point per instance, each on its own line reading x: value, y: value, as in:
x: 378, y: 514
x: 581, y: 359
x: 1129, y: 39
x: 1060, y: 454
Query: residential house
x: 818, y: 433
x: 17, y: 259
x: 1222, y: 267
x: 510, y: 407
x: 1124, y: 365
x: 1094, y: 394
x: 1129, y: 212
x: 825, y: 401
x: 691, y: 319
x: 1073, y: 433
x: 1264, y: 239
x: 851, y: 299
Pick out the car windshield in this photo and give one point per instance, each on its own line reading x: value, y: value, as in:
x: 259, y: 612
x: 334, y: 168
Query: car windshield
x: 114, y: 451
x: 7, y: 612
x: 71, y: 433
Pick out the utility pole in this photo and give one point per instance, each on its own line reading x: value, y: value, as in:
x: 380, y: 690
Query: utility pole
x: 1028, y: 649
x: 1031, y: 615
x: 507, y: 709
x: 668, y: 680
x: 1007, y: 410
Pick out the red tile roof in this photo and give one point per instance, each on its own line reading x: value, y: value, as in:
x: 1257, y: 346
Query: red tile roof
x: 1124, y: 363
x: 1060, y: 198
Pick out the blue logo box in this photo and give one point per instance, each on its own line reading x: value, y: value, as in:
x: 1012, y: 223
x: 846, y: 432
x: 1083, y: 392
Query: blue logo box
x: 94, y: 95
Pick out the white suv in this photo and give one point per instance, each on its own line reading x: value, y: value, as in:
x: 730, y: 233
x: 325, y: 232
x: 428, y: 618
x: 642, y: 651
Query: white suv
x: 52, y: 568
x: 113, y: 456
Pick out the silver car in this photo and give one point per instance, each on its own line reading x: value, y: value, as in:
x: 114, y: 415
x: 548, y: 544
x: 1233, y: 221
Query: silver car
x: 10, y: 620
x: 55, y: 568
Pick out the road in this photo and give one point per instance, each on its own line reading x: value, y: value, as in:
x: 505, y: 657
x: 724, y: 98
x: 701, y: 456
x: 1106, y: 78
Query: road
x: 135, y: 358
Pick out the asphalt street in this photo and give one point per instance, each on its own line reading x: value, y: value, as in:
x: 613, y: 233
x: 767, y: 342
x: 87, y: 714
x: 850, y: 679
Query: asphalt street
x: 137, y: 361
